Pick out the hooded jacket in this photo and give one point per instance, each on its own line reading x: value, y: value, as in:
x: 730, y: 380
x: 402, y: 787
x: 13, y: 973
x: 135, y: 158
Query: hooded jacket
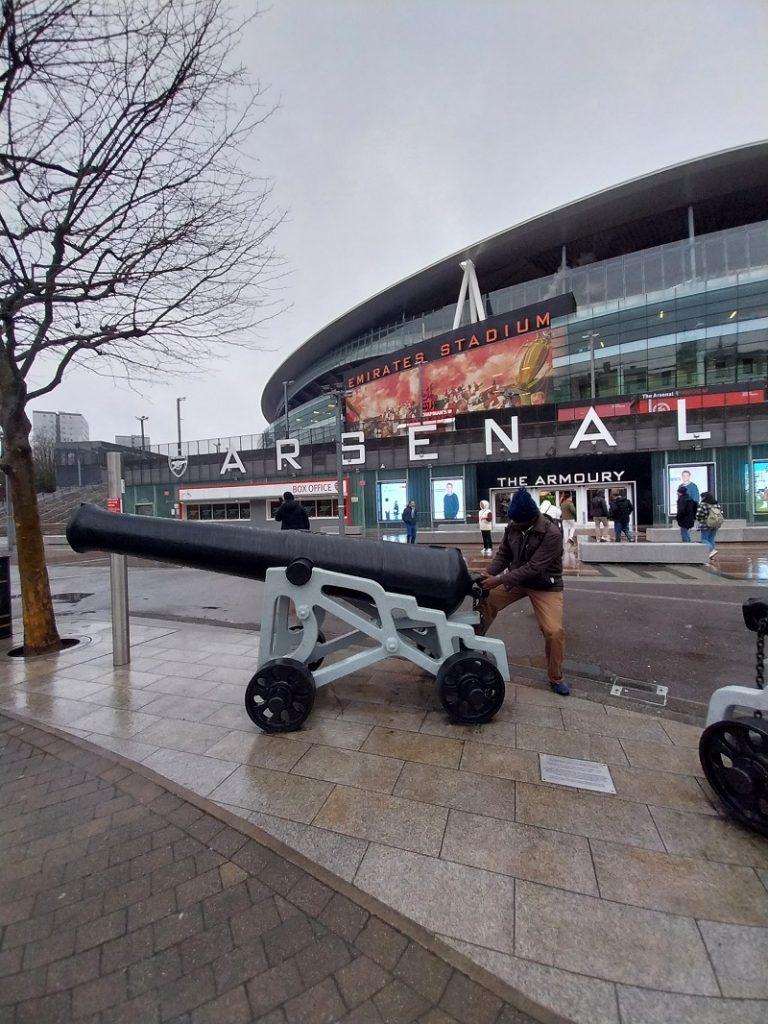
x: 621, y: 509
x: 292, y: 515
x: 533, y: 557
x: 686, y: 510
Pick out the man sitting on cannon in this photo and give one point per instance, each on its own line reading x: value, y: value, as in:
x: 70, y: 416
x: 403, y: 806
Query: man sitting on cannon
x: 529, y: 563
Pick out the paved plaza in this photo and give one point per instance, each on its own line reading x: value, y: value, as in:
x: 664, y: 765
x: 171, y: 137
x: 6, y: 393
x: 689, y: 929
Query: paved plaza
x: 641, y: 907
x: 125, y: 901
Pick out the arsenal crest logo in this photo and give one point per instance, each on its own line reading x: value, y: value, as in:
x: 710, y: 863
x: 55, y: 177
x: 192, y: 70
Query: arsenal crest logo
x: 177, y: 465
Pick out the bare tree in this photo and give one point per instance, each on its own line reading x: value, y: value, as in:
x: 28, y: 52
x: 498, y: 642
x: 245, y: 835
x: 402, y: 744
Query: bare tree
x: 44, y: 460
x: 134, y: 235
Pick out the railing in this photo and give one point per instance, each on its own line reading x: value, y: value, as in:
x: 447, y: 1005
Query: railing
x: 238, y: 442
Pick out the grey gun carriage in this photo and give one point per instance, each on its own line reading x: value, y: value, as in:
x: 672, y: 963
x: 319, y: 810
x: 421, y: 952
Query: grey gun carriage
x: 399, y: 601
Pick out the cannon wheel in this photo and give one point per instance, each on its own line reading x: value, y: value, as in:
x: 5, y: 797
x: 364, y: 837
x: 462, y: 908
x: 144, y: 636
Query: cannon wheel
x: 313, y: 666
x: 280, y: 696
x: 471, y: 687
x: 734, y: 756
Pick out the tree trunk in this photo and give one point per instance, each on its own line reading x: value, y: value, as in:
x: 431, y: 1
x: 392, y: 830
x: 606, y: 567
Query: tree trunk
x: 40, y: 632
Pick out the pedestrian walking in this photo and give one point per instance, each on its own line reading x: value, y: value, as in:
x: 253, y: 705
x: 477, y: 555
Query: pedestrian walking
x: 620, y: 510
x: 598, y: 511
x: 568, y: 514
x: 529, y: 563
x: 686, y: 513
x: 409, y: 518
x: 291, y: 514
x: 549, y: 509
x: 485, y: 519
x: 710, y: 518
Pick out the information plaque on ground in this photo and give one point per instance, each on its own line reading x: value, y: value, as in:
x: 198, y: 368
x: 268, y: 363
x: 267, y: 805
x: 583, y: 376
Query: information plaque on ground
x: 570, y: 771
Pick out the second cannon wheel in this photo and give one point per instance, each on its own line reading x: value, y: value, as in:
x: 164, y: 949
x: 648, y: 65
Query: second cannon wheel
x: 471, y: 688
x: 734, y: 756
x: 280, y: 696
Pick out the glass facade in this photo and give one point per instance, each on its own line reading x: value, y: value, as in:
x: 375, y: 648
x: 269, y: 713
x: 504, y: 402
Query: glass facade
x: 686, y: 314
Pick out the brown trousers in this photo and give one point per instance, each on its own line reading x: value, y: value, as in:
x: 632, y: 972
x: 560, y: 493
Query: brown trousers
x: 548, y: 609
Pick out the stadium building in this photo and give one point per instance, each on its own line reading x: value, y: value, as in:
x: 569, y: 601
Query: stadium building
x: 619, y: 342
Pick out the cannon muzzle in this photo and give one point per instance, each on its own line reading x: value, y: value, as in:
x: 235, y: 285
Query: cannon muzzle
x: 437, y: 577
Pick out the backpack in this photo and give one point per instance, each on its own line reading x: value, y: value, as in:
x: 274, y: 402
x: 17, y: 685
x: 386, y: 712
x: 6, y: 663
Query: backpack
x: 555, y: 522
x: 715, y: 518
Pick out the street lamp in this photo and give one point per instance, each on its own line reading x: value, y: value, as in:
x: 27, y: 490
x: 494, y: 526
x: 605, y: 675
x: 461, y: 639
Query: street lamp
x: 285, y: 406
x: 590, y: 337
x: 142, y: 420
x: 178, y: 420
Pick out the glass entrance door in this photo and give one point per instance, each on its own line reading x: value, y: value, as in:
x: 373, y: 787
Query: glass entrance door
x: 581, y: 494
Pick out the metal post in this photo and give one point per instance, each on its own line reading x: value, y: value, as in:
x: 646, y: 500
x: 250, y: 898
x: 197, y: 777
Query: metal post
x: 591, y: 339
x: 141, y: 420
x: 178, y: 421
x: 118, y: 572
x: 285, y: 407
x: 339, y: 466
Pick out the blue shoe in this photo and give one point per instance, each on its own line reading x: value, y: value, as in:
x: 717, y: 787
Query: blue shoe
x: 562, y: 689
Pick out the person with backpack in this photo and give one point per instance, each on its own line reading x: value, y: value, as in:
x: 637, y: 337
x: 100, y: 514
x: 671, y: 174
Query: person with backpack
x: 598, y: 513
x: 529, y: 563
x: 710, y: 518
x: 620, y: 510
x: 686, y: 513
x: 409, y: 518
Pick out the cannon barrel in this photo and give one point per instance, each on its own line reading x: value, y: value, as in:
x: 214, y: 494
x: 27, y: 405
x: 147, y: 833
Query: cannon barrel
x: 437, y: 577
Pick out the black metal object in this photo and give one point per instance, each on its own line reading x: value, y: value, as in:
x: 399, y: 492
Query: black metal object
x: 280, y: 696
x: 299, y: 571
x: 734, y: 755
x: 6, y: 620
x: 471, y: 688
x: 436, y: 577
x: 755, y: 612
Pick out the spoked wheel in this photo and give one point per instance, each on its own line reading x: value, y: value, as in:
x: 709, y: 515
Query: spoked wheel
x: 280, y: 695
x: 471, y: 688
x: 313, y: 666
x: 734, y: 756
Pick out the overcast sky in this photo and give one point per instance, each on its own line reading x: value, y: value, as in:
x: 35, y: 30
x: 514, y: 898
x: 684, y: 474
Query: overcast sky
x: 410, y: 128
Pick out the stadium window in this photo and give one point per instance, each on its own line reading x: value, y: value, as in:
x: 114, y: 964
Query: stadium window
x: 218, y: 511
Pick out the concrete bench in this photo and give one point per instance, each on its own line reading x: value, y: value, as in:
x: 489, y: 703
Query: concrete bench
x: 729, y: 533
x: 663, y: 554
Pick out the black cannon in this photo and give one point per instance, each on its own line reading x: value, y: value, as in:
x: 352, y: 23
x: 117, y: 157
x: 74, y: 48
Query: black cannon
x: 400, y: 600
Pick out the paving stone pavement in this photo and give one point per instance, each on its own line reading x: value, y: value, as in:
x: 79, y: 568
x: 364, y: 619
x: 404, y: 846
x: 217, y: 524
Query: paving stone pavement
x: 124, y: 902
x: 643, y: 907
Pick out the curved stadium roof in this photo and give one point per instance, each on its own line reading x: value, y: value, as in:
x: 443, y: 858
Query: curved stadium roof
x: 725, y: 189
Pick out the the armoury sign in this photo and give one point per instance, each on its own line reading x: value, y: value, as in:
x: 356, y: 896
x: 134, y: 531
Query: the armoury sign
x: 591, y: 430
x: 502, y: 362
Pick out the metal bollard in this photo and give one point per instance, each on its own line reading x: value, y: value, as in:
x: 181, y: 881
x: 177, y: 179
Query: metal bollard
x: 118, y: 572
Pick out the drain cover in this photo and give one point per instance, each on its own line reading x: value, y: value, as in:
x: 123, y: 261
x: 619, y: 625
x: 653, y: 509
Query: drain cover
x: 636, y: 690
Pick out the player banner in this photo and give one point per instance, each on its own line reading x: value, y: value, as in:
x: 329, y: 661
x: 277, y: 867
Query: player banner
x: 512, y: 372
